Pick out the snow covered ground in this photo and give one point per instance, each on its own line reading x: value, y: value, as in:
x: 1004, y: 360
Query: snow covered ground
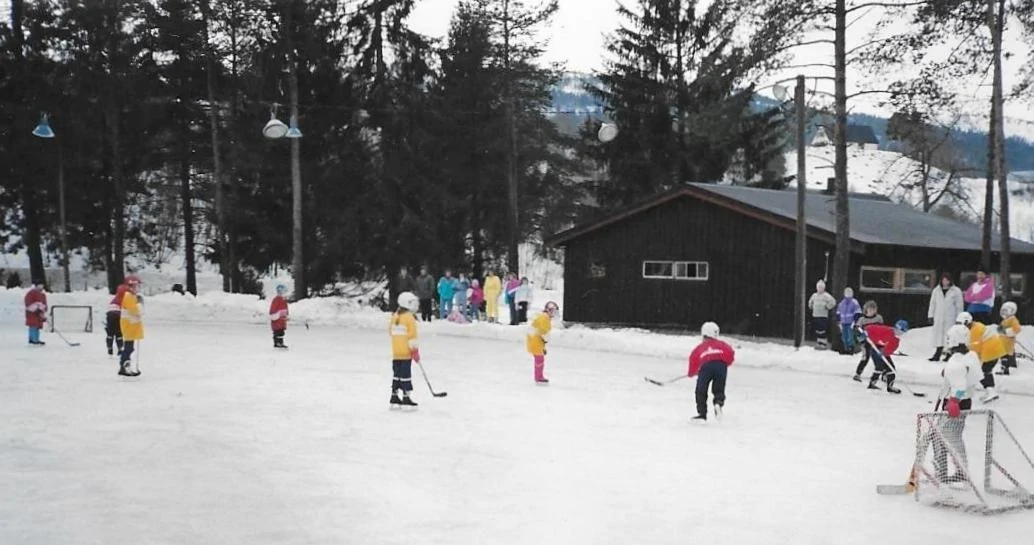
x: 222, y: 440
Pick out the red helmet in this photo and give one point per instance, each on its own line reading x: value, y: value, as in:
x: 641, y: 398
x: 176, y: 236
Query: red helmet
x: 132, y: 280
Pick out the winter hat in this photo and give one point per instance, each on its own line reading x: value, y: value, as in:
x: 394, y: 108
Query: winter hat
x: 848, y: 292
x: 820, y: 285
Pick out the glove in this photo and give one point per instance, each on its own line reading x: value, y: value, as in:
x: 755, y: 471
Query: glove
x: 954, y: 411
x: 415, y: 354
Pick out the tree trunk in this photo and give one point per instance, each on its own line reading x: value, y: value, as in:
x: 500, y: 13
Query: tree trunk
x: 998, y: 125
x: 842, y: 258
x: 213, y: 120
x: 513, y: 248
x: 298, y: 262
x: 234, y: 271
x: 118, y: 214
x: 186, y: 196
x: 989, y: 188
x: 30, y: 201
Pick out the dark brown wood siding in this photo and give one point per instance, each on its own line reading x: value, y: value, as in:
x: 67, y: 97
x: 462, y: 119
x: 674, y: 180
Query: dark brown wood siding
x: 751, y: 266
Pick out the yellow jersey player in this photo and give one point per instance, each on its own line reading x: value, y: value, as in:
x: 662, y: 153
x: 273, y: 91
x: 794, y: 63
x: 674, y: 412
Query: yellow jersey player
x: 404, y: 348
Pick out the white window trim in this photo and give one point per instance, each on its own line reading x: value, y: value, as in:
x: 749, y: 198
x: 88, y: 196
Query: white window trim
x: 673, y: 264
x: 863, y: 287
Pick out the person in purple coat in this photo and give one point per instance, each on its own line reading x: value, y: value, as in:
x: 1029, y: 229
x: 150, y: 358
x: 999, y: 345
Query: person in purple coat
x: 847, y: 313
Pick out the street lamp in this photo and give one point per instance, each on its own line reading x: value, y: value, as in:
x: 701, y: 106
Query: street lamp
x: 43, y: 130
x: 276, y: 129
x: 782, y: 94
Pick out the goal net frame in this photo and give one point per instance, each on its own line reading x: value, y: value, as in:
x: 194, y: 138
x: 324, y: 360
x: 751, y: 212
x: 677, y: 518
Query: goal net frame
x: 965, y: 490
x: 86, y: 327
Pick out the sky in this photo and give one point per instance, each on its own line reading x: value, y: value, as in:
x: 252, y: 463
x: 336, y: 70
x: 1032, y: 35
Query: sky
x: 576, y: 38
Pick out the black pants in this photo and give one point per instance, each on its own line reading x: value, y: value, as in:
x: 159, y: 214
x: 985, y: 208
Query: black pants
x: 884, y: 366
x: 402, y: 376
x: 988, y: 368
x: 278, y: 337
x: 821, y: 326
x: 113, y: 329
x: 983, y: 317
x: 513, y: 312
x: 425, y: 309
x: 127, y: 353
x: 522, y: 312
x: 713, y: 375
x: 865, y: 358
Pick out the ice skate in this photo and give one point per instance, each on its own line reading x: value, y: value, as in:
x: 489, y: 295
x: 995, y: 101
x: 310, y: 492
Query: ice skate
x: 857, y: 378
x: 701, y: 418
x: 990, y: 396
x: 395, y: 402
x: 408, y: 403
x: 717, y: 412
x: 542, y: 381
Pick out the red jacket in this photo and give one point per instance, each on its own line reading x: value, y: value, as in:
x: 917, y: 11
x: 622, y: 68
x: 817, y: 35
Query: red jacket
x: 116, y: 302
x: 710, y: 350
x: 35, y: 308
x: 278, y: 313
x: 884, y: 337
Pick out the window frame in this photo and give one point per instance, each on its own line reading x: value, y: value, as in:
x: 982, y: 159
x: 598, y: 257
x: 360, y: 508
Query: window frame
x: 895, y: 271
x: 906, y: 289
x: 696, y: 266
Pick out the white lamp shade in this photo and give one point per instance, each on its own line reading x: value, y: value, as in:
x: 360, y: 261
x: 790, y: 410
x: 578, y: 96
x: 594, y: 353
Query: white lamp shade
x: 274, y: 129
x: 607, y: 132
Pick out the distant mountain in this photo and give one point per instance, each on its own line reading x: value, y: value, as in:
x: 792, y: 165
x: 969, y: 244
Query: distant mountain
x: 572, y: 105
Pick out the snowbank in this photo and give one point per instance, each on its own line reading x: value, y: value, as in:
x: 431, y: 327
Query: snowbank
x: 216, y: 307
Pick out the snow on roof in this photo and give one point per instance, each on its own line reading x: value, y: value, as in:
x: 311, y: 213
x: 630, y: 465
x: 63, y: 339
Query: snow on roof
x: 873, y: 221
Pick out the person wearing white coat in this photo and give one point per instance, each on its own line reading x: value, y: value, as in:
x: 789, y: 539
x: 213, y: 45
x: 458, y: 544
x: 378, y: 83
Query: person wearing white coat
x: 945, y: 304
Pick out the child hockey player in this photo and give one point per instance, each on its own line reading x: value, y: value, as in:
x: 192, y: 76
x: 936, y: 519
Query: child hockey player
x: 883, y: 342
x: 870, y: 315
x: 988, y: 347
x: 132, y: 325
x: 821, y: 303
x: 112, y: 328
x: 710, y: 362
x: 1010, y: 327
x: 278, y: 314
x: 404, y: 349
x: 961, y: 366
x: 35, y: 311
x: 538, y: 336
x: 848, y: 311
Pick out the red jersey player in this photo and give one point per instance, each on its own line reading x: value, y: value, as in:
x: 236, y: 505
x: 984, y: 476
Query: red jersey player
x: 710, y: 362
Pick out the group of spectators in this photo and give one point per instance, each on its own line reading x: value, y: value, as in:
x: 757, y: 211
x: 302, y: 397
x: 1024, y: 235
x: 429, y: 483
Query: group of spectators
x: 464, y: 299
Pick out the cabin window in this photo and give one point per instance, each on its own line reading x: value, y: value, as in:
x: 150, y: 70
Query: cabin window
x: 597, y: 270
x: 878, y: 279
x: 917, y: 280
x: 676, y: 270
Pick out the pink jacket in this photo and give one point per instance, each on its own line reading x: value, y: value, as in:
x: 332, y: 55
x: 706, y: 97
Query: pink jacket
x: 981, y: 294
x: 477, y: 296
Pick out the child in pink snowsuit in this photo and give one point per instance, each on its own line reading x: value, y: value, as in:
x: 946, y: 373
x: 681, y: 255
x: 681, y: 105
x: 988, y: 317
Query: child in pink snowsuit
x: 477, y: 298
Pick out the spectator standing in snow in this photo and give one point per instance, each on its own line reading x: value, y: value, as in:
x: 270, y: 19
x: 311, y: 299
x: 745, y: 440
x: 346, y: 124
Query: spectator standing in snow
x: 477, y: 300
x: 980, y: 297
x: 35, y: 311
x: 512, y: 283
x: 461, y: 286
x: 493, y: 289
x: 425, y: 293
x: 523, y: 298
x: 848, y: 311
x: 446, y: 291
x: 821, y: 303
x: 945, y: 305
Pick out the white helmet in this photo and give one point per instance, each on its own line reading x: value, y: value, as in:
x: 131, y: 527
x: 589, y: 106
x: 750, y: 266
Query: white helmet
x: 1008, y: 309
x: 964, y: 318
x: 709, y: 329
x: 409, y: 301
x: 957, y: 335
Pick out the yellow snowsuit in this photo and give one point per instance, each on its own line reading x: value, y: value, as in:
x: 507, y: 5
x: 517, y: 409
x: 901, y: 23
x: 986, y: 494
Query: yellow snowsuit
x: 131, y: 321
x: 1010, y: 329
x: 538, y: 331
x: 402, y: 329
x: 493, y: 287
x: 988, y: 346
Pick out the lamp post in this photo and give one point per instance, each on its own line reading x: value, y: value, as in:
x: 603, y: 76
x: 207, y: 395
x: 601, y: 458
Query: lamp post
x: 800, y: 247
x: 43, y: 130
x: 275, y: 130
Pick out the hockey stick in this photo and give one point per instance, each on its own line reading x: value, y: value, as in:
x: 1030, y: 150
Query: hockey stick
x: 424, y: 373
x: 662, y: 383
x: 890, y: 365
x: 69, y: 343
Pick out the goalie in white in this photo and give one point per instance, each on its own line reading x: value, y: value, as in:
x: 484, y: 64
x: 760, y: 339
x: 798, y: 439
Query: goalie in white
x: 961, y: 374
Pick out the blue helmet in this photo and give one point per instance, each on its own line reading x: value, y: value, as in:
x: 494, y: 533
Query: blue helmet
x: 901, y: 325
x: 281, y: 289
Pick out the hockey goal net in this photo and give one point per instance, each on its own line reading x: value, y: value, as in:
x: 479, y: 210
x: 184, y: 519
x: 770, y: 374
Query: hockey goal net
x: 71, y: 318
x: 973, y: 463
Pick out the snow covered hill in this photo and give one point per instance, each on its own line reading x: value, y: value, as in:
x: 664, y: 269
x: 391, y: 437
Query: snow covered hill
x: 889, y: 173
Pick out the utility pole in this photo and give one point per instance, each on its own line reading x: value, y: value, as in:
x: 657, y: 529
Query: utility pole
x: 800, y: 255
x: 298, y: 262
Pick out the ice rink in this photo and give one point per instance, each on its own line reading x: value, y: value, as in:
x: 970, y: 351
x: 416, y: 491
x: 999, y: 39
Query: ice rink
x: 221, y: 440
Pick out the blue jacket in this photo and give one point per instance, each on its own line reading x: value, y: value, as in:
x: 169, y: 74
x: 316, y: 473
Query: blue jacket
x: 461, y: 287
x: 848, y: 309
x: 446, y: 288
